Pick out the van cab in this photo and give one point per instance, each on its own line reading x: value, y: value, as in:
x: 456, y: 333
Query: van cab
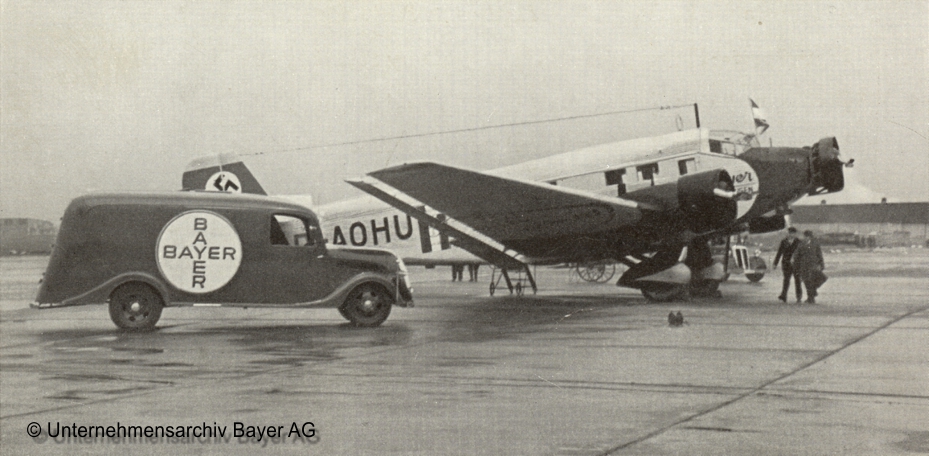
x: 143, y: 252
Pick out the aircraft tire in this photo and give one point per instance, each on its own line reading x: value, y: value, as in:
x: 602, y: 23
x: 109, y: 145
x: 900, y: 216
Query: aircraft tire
x: 493, y: 288
x: 367, y: 305
x: 663, y: 292
x: 135, y: 306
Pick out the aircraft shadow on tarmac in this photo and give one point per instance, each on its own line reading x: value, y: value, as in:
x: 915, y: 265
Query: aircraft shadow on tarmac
x: 493, y: 319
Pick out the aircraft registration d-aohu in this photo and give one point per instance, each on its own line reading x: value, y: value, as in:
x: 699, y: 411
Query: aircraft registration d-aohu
x: 361, y: 222
x: 652, y: 203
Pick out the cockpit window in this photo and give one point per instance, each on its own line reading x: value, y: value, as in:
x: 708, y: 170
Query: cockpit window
x: 731, y: 142
x: 292, y: 231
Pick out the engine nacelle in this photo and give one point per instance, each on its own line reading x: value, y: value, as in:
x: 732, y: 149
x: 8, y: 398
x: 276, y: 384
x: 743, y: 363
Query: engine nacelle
x: 704, y: 209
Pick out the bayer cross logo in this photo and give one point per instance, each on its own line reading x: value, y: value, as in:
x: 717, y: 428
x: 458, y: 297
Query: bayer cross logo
x: 224, y: 181
x: 746, y: 184
x: 198, y: 252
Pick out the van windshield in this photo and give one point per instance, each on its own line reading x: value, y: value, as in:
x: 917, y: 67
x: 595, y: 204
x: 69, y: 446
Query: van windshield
x: 291, y: 230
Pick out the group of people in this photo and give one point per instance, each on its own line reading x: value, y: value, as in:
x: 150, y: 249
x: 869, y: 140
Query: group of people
x: 801, y: 260
x: 458, y: 272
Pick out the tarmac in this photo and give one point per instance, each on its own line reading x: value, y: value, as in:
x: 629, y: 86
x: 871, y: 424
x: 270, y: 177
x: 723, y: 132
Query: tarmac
x: 579, y: 369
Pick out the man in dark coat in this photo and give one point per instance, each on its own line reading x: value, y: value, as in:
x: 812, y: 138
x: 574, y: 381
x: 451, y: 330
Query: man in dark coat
x: 808, y: 263
x: 785, y: 256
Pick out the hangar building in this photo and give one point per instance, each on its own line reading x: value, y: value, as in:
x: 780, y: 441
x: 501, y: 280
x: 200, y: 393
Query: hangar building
x: 867, y: 225
x: 20, y: 236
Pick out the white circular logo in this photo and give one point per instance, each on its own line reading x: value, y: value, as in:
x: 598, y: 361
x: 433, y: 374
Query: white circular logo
x: 224, y: 181
x: 746, y: 183
x: 198, y: 252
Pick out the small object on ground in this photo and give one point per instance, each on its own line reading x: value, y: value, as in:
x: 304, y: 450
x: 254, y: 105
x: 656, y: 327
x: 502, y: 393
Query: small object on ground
x: 675, y: 319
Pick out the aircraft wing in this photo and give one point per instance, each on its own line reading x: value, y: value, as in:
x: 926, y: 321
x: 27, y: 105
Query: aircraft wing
x: 502, y: 208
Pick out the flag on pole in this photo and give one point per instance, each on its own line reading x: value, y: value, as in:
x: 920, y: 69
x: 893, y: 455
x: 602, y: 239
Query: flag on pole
x: 758, y: 115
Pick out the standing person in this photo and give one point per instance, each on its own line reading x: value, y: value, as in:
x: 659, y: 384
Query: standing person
x: 809, y: 264
x: 472, y: 271
x: 785, y: 252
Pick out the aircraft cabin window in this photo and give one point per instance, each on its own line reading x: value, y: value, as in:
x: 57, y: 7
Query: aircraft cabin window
x: 687, y: 166
x: 647, y: 172
x: 290, y: 230
x: 615, y: 177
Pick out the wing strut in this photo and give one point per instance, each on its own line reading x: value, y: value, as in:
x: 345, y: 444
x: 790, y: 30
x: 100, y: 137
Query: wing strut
x: 469, y: 240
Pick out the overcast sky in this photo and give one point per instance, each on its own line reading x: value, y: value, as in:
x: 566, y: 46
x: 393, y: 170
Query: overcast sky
x: 121, y: 95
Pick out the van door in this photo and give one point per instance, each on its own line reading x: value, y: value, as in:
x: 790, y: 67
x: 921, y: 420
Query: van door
x: 296, y: 270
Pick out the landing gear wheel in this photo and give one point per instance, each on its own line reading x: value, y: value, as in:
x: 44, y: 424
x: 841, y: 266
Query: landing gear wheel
x: 519, y: 289
x: 367, y: 304
x: 663, y: 292
x: 493, y: 288
x: 135, y: 306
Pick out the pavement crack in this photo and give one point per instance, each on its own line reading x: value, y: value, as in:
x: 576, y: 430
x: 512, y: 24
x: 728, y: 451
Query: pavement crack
x: 765, y: 385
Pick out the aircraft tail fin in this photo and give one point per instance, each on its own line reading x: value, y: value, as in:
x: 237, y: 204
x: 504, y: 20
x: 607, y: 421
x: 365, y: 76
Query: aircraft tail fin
x: 220, y: 173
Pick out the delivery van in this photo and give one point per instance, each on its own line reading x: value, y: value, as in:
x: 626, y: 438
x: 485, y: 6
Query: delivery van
x: 140, y: 253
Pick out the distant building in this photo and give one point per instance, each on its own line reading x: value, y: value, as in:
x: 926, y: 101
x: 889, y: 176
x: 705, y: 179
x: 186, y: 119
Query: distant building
x: 19, y: 236
x: 869, y: 225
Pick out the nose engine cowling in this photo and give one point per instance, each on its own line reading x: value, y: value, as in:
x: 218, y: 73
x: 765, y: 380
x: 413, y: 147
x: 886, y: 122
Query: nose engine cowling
x: 826, y: 167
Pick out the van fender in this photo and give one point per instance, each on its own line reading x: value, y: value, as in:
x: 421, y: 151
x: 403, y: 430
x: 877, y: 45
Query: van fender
x: 337, y: 297
x: 101, y: 293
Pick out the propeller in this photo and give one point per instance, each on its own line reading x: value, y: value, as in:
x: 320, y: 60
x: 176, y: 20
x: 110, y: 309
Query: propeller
x: 827, y: 166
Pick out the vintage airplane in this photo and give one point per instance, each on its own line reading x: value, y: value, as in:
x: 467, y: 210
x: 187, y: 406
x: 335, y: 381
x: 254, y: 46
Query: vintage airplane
x: 652, y: 204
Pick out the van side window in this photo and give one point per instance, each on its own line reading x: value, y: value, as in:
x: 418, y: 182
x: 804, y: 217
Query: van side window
x: 290, y: 230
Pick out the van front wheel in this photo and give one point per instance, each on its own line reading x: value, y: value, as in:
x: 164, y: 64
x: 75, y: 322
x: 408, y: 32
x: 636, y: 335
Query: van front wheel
x: 368, y: 304
x: 135, y: 306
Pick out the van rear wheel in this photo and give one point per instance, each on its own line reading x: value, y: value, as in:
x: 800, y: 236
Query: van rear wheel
x: 135, y: 306
x: 367, y: 304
